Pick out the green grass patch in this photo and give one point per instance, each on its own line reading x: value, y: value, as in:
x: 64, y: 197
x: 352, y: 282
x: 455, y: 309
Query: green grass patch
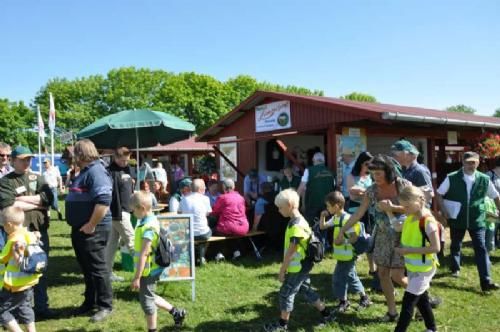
x: 242, y: 295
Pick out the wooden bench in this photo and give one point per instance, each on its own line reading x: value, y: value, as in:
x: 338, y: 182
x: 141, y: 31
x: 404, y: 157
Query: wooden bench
x: 248, y: 235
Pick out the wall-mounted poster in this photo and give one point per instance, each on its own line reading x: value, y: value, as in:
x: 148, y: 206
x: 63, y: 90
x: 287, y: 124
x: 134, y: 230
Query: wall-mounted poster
x: 353, y: 140
x: 230, y: 150
x: 180, y: 232
x: 273, y: 116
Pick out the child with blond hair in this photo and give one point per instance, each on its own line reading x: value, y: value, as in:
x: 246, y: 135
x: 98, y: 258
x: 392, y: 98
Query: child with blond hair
x: 147, y: 272
x: 419, y: 246
x: 16, y: 286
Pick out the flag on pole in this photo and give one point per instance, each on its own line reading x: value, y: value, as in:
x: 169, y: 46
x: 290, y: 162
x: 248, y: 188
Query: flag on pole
x: 41, y: 127
x: 52, y: 113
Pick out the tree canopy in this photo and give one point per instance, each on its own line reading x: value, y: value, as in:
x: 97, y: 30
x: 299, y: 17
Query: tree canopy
x: 200, y: 99
x: 358, y: 96
x: 461, y: 109
x: 497, y: 113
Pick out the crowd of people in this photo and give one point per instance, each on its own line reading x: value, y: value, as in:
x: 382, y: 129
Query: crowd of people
x: 387, y: 198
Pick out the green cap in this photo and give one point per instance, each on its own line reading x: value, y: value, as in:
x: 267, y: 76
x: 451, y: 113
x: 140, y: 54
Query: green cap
x: 21, y: 152
x: 404, y: 145
x: 186, y: 182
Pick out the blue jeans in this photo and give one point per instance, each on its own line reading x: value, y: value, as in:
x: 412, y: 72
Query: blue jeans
x: 296, y: 283
x: 480, y: 253
x: 345, y: 278
x: 490, y: 239
x: 55, y: 202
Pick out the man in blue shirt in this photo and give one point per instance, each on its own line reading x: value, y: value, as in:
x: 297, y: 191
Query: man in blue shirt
x: 348, y: 161
x: 88, y: 214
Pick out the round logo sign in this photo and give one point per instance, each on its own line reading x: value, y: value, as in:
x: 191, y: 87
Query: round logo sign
x: 283, y: 119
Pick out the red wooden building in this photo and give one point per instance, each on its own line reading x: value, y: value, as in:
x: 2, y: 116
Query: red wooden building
x: 294, y: 123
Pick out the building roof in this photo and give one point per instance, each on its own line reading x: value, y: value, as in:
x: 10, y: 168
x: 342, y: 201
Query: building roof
x: 375, y: 111
x: 187, y: 145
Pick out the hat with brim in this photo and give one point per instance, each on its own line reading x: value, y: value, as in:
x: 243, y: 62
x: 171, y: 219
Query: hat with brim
x: 471, y: 156
x: 405, y: 146
x: 21, y: 152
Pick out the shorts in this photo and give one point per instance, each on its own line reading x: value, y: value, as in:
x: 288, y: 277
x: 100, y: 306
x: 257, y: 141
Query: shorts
x: 16, y: 306
x: 147, y: 294
x: 419, y: 282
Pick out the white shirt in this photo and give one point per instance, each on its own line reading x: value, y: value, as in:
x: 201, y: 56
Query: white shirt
x: 160, y: 175
x: 305, y: 176
x: 51, y: 175
x: 198, y: 205
x: 469, y: 182
x: 174, y: 205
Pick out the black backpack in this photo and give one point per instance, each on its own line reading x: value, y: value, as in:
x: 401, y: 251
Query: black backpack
x: 315, y: 251
x: 163, y: 253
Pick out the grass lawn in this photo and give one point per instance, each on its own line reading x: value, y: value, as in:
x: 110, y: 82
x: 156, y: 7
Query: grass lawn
x: 241, y: 296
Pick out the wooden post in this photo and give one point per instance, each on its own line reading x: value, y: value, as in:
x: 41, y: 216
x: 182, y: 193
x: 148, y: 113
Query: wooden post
x: 331, y: 147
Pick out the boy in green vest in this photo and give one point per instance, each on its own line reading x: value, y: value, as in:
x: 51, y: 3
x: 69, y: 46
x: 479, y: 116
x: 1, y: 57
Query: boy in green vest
x: 294, y: 271
x: 491, y: 221
x: 345, y: 277
x: 147, y: 272
x: 16, y: 287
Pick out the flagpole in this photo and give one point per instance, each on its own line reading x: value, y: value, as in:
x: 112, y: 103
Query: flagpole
x: 40, y: 153
x: 52, y: 124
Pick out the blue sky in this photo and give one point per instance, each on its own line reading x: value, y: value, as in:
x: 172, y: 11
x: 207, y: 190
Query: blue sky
x: 419, y: 53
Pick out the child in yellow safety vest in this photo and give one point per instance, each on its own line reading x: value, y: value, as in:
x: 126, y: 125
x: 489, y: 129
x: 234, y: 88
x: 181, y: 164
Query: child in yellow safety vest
x: 419, y: 246
x: 147, y: 272
x: 345, y: 277
x: 16, y: 286
x: 294, y: 271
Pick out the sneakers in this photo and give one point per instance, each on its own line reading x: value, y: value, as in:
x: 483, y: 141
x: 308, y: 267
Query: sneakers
x: 236, y: 254
x: 100, y: 315
x: 219, y: 257
x: 435, y: 301
x: 364, y: 302
x: 489, y: 287
x: 342, y: 306
x: 116, y: 278
x: 328, y: 318
x: 387, y: 318
x: 455, y: 274
x: 275, y: 327
x: 179, y: 315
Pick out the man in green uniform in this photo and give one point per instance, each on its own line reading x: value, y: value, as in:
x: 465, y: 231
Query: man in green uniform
x: 317, y: 182
x: 28, y: 191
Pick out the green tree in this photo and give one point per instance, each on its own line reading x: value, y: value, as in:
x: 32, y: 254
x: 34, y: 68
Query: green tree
x: 358, y: 96
x: 461, y: 109
x: 497, y: 113
x: 16, y: 124
x: 200, y: 99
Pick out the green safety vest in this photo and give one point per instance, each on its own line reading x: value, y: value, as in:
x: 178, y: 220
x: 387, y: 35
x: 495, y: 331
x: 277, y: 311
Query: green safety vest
x: 412, y: 237
x: 472, y: 212
x: 302, y: 231
x: 343, y: 252
x: 151, y: 223
x: 12, y: 277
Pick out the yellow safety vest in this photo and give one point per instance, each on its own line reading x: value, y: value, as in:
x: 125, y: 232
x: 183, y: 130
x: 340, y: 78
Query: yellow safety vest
x: 303, y: 231
x: 411, y: 237
x: 13, y: 279
x: 151, y: 223
x: 343, y: 252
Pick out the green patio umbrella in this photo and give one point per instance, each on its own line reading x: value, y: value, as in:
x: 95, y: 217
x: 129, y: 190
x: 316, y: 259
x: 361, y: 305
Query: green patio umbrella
x: 140, y: 128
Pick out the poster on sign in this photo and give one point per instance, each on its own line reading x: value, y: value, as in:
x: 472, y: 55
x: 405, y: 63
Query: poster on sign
x: 180, y: 232
x: 273, y: 116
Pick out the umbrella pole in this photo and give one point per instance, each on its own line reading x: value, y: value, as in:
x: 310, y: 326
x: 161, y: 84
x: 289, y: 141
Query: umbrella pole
x: 137, y: 186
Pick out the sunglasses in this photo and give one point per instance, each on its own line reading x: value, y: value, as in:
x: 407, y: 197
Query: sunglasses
x: 4, y: 155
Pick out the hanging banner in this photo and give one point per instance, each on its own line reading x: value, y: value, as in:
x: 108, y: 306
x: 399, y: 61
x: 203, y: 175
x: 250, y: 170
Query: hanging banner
x: 273, y: 116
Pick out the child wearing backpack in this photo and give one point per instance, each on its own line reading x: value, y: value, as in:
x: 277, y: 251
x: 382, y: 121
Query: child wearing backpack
x: 16, y: 286
x: 147, y: 271
x: 345, y: 277
x: 294, y: 271
x: 491, y: 222
x: 419, y: 246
